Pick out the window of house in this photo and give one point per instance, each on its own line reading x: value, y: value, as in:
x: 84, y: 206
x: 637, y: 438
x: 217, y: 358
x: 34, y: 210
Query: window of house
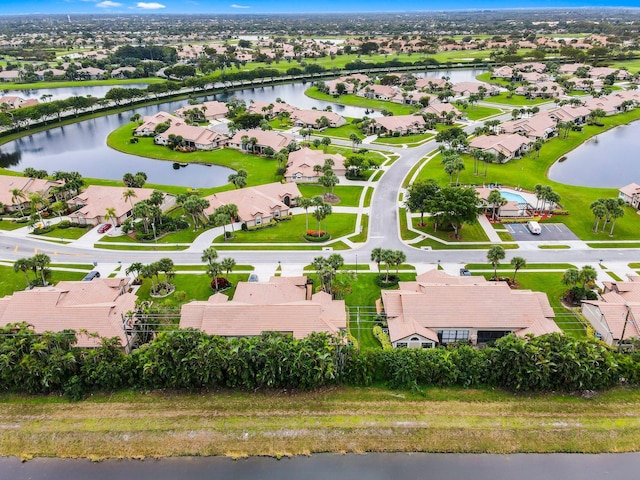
x: 452, y: 336
x: 276, y: 213
x: 258, y: 220
x: 427, y: 345
x: 401, y: 345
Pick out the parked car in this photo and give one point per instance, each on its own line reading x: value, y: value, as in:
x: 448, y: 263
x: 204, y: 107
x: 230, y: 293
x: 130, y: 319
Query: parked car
x: 464, y: 272
x: 253, y: 277
x: 534, y: 227
x: 91, y: 275
x: 104, y: 228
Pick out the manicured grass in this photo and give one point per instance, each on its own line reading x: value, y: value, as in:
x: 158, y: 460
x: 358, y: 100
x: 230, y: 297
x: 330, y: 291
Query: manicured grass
x: 515, y: 100
x: 634, y: 265
x: 405, y: 233
x: 150, y: 247
x: 364, y: 233
x: 486, y: 78
x: 11, y: 225
x: 203, y: 268
x: 614, y: 276
x: 354, y: 100
x: 614, y: 244
x: 554, y: 247
x: 11, y: 281
x: 334, y: 246
x: 71, y: 233
x: 409, y: 140
x: 505, y: 236
x: 437, y: 245
x: 530, y: 266
x: 478, y: 112
x: 78, y: 266
x: 194, y: 286
x: 344, y: 420
x: 292, y: 231
x: 349, y: 195
x: 342, y: 132
x: 529, y: 171
x: 367, y: 197
x: 468, y: 233
x: 260, y: 170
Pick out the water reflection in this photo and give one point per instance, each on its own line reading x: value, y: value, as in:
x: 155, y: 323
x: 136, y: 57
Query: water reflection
x: 8, y: 160
x: 607, y: 160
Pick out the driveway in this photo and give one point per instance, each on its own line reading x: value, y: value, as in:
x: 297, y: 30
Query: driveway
x: 551, y: 232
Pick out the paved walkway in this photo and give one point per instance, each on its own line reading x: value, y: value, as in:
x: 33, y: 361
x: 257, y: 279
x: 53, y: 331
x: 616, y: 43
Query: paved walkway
x: 488, y: 229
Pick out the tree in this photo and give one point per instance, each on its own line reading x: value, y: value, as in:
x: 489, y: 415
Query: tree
x: 494, y: 255
x: 496, y: 200
x: 128, y: 194
x: 326, y: 141
x: 355, y: 140
x: 418, y: 196
x: 326, y: 269
x: 376, y: 256
x: 599, y: 210
x: 571, y: 276
x: 399, y: 257
x: 23, y: 265
x: 135, y: 268
x: 454, y: 206
x: 305, y: 203
x: 453, y: 163
x: 387, y: 257
x: 227, y: 265
x: 209, y: 255
x: 16, y: 196
x: 110, y: 213
x: 517, y: 263
x: 41, y: 261
x: 587, y: 275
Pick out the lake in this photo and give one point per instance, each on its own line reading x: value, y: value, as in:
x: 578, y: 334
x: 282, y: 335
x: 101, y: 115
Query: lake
x: 606, y: 160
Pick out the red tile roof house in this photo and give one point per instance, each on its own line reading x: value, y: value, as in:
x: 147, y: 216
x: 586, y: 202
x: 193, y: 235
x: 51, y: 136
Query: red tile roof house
x: 431, y: 84
x: 617, y: 315
x: 92, y: 204
x: 540, y: 89
x: 351, y: 82
x: 579, y: 115
x: 467, y: 88
x: 301, y: 162
x: 265, y: 138
x: 284, y: 304
x: 210, y: 110
x: 441, y: 110
x: 312, y: 118
x: 200, y: 138
x: 540, y: 125
x: 149, y: 124
x: 630, y: 194
x: 13, y: 102
x: 503, y: 72
x: 257, y: 205
x: 609, y: 104
x: 379, y: 92
x: 270, y: 109
x: 398, y: 125
x: 26, y: 186
x: 101, y: 306
x: 503, y: 146
x: 440, y: 309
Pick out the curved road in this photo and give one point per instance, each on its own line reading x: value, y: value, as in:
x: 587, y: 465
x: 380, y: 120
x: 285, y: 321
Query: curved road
x: 383, y: 232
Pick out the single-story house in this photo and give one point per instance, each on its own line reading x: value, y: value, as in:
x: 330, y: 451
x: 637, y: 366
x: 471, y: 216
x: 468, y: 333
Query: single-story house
x: 541, y: 89
x: 467, y: 88
x: 90, y: 73
x: 9, y: 75
x: 540, y: 125
x: 512, y: 209
x: 101, y: 306
x: 264, y: 138
x: 571, y: 68
x: 92, y: 204
x: 149, y: 123
x: 12, y: 102
x: 504, y: 146
x: 301, y: 163
x: 284, y: 304
x: 615, y: 317
x: 200, y: 138
x: 602, y: 72
x: 441, y: 110
x: 609, y: 104
x: 259, y: 204
x: 505, y: 72
x: 210, y: 110
x: 438, y: 309
x: 398, y: 124
x: 270, y: 109
x: 26, y: 186
x: 313, y: 118
x: 630, y: 194
x: 431, y: 84
x: 123, y: 72
x: 379, y: 92
x: 567, y: 113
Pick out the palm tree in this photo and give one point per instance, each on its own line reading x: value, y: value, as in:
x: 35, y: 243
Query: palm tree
x: 587, y: 275
x: 23, y: 265
x: 399, y: 257
x: 599, y: 210
x: 496, y: 200
x: 614, y: 214
x: 41, y: 261
x: 305, y: 203
x: 494, y: 255
x: 127, y: 195
x: 517, y: 263
x: 135, y: 268
x: 376, y: 256
x: 16, y: 195
x: 387, y: 256
x: 227, y: 265
x: 110, y: 213
x: 213, y: 270
x: 209, y: 255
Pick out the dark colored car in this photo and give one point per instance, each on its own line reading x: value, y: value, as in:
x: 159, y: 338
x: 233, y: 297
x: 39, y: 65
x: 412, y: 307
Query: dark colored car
x: 104, y: 228
x: 91, y: 275
x: 464, y: 272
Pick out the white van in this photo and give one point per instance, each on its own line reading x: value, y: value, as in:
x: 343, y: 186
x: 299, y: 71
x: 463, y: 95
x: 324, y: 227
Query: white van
x: 534, y: 227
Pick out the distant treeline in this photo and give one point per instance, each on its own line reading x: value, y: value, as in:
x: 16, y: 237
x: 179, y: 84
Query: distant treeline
x: 192, y: 360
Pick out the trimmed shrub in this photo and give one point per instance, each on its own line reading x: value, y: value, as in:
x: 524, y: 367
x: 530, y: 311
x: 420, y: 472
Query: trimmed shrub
x: 64, y: 224
x: 223, y: 284
x: 393, y: 281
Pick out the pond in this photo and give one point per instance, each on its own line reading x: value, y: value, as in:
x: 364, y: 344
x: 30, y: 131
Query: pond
x: 82, y: 146
x: 608, y: 160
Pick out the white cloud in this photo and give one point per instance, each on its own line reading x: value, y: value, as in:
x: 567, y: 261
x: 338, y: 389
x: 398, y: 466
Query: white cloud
x: 150, y: 5
x: 108, y: 4
x: 233, y: 5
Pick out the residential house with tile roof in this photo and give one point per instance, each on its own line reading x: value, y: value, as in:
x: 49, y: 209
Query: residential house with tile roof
x: 301, y: 165
x: 504, y: 146
x: 438, y: 309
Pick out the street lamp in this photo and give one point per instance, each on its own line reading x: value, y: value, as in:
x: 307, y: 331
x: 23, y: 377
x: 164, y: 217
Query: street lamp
x: 356, y: 265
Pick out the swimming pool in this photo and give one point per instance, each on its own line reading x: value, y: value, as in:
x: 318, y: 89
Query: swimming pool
x: 512, y: 197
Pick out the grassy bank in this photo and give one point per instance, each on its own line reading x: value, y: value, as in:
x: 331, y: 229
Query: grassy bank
x: 340, y: 420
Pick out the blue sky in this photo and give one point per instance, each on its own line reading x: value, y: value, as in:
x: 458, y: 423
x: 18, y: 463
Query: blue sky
x: 280, y: 6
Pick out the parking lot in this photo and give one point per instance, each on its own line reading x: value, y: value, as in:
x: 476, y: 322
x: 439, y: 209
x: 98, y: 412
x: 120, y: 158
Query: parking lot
x: 550, y: 232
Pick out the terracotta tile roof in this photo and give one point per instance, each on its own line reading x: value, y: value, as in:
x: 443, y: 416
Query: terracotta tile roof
x: 507, y: 144
x: 96, y: 199
x: 302, y: 162
x: 266, y: 138
x: 312, y: 117
x: 95, y: 307
x: 537, y: 126
x: 270, y: 308
x: 26, y: 185
x: 211, y: 110
x: 150, y: 122
x: 400, y: 122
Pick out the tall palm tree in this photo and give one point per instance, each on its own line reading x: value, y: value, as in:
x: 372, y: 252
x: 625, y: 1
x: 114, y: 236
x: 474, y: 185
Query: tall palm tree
x: 127, y: 195
x: 23, y: 265
x: 305, y: 203
x: 517, y: 263
x: 16, y: 196
x: 227, y: 265
x: 494, y: 255
x: 376, y: 256
x: 110, y: 213
x: 209, y: 255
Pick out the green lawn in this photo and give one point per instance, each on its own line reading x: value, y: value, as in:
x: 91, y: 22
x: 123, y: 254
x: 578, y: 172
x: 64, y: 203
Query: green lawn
x: 292, y: 231
x: 529, y: 171
x: 356, y: 101
x: 478, y: 112
x: 260, y: 170
x: 530, y: 266
x: 364, y: 233
x: 367, y: 197
x: 468, y: 233
x: 78, y: 83
x: 342, y: 132
x: 349, y: 195
x: 71, y: 233
x: 11, y: 281
x: 409, y: 140
x: 11, y: 225
x: 515, y: 100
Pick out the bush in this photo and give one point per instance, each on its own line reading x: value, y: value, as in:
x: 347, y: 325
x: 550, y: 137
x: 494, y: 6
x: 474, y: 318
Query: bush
x: 64, y: 224
x: 41, y: 231
x: 382, y: 337
x: 223, y: 284
x: 392, y: 281
x: 317, y: 239
x: 316, y: 233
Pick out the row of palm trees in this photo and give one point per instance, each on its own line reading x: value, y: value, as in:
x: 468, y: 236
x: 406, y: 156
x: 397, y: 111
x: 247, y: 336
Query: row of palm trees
x: 38, y: 265
x: 388, y: 257
x: 321, y: 211
x: 609, y: 209
x: 215, y: 268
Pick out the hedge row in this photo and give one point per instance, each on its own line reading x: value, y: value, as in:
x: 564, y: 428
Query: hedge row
x: 193, y: 360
